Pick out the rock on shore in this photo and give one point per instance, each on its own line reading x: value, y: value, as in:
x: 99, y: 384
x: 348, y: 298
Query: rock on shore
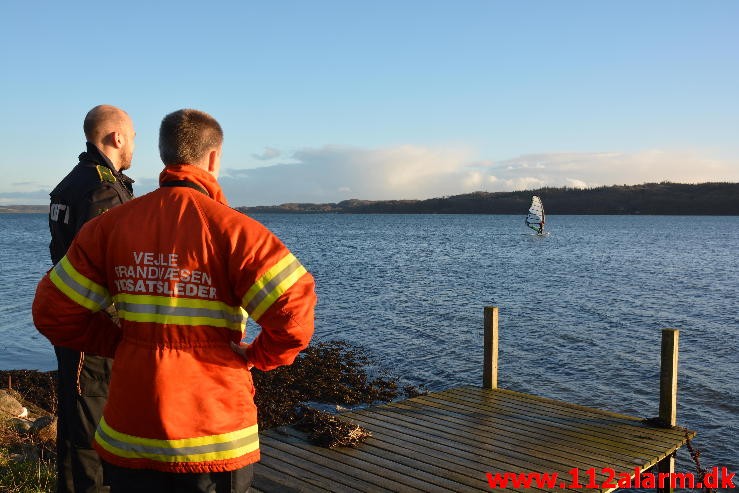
x: 16, y: 416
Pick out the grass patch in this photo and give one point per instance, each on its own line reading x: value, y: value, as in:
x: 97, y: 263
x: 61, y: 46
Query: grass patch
x: 26, y: 465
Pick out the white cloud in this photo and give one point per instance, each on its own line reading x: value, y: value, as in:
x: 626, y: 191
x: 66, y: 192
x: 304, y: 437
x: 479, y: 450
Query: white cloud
x: 333, y: 173
x: 269, y: 153
x: 35, y: 197
x: 613, y: 168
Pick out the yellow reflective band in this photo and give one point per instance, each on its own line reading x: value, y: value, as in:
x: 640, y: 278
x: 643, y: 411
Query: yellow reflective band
x: 272, y: 284
x: 267, y: 276
x: 277, y: 292
x: 77, y: 287
x: 208, y: 448
x: 179, y: 311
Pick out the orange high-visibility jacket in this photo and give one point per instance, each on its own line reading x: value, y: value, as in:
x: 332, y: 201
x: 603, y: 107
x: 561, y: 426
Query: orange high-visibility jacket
x: 184, y: 272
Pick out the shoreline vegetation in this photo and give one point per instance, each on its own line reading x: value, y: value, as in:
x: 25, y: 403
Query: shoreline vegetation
x: 715, y: 199
x: 326, y: 376
x: 666, y: 198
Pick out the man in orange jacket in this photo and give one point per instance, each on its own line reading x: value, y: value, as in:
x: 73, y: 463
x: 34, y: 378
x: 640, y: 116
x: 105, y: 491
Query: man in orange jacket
x: 180, y: 414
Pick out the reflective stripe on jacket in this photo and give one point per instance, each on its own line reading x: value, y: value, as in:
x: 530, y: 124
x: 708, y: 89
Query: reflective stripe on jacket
x: 184, y: 272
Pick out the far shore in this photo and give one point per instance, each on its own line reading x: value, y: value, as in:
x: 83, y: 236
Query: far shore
x: 663, y: 199
x: 24, y: 209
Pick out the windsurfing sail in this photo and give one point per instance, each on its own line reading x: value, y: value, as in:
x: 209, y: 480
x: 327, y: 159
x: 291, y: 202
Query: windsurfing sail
x: 535, y: 218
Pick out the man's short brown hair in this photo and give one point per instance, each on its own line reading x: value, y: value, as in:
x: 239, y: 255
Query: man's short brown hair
x: 185, y: 136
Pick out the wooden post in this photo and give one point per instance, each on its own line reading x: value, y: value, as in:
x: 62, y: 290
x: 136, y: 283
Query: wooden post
x: 668, y: 394
x: 490, y: 349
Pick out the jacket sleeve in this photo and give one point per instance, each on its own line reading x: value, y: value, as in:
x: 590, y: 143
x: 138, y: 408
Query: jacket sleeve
x: 97, y: 201
x: 70, y: 300
x: 279, y: 294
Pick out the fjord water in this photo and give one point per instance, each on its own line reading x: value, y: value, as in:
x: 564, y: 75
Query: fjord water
x: 581, y: 310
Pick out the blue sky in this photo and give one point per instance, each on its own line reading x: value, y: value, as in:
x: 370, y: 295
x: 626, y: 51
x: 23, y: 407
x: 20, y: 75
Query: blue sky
x: 323, y: 101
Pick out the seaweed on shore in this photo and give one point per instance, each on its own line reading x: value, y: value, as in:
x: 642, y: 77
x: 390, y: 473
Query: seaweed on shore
x: 330, y: 431
x: 36, y: 387
x: 333, y: 372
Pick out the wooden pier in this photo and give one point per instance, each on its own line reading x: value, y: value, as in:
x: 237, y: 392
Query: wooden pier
x: 451, y: 440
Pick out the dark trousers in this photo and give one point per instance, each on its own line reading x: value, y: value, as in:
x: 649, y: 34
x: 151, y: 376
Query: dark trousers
x: 125, y: 480
x: 81, y: 394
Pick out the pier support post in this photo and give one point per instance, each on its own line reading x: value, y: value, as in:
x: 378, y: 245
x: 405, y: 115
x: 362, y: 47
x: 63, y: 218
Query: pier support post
x: 490, y: 349
x: 668, y: 394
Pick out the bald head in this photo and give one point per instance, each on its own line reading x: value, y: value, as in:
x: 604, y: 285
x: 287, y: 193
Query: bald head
x: 111, y: 130
x: 102, y: 120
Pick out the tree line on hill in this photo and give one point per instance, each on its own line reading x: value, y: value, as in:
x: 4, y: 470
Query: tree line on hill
x: 717, y: 199
x: 650, y: 198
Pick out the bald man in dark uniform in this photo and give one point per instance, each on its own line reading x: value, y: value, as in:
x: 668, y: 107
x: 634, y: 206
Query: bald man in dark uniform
x: 95, y: 185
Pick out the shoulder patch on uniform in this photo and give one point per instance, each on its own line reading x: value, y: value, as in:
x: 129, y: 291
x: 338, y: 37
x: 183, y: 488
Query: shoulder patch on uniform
x: 105, y: 173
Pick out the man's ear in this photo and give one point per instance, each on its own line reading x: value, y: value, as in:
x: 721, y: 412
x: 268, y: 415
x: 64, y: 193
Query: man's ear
x: 212, y: 160
x: 116, y: 139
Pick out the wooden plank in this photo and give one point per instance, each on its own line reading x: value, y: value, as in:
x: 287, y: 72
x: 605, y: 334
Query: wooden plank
x: 421, y: 441
x: 512, y: 438
x: 538, y: 428
x: 449, y: 411
x: 535, y: 403
x: 312, y: 473
x: 618, y: 418
x: 520, y: 459
x: 532, y: 400
x: 577, y: 438
x: 627, y: 432
x: 321, y: 455
x: 472, y: 471
x: 335, y: 470
x: 462, y: 460
x: 560, y: 403
x: 267, y: 479
x: 607, y: 461
x: 637, y: 432
x: 379, y: 470
x: 541, y: 412
x: 506, y: 460
x: 411, y: 464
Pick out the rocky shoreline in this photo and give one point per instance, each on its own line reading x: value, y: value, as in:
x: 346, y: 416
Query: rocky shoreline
x: 28, y: 406
x: 27, y: 430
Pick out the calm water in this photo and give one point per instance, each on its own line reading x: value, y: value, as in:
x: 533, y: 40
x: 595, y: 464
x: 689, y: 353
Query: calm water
x: 580, y: 310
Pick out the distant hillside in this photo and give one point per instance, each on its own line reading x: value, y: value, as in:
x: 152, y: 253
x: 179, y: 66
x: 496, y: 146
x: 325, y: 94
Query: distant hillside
x: 719, y: 199
x: 23, y: 209
x: 650, y: 198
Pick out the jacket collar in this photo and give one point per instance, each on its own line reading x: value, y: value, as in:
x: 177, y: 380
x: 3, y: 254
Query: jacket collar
x: 193, y: 174
x: 95, y: 155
